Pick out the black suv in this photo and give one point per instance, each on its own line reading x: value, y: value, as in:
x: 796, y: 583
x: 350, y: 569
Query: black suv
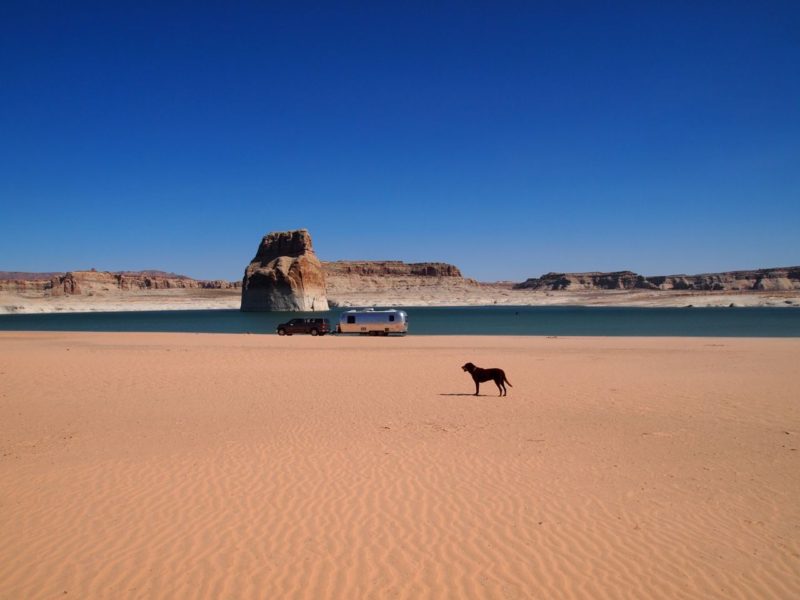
x: 312, y: 326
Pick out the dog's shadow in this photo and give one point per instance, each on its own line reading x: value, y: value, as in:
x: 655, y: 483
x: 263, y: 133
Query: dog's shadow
x: 462, y: 394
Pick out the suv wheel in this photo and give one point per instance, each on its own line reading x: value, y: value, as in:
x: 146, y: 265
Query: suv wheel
x: 281, y: 331
x: 314, y: 332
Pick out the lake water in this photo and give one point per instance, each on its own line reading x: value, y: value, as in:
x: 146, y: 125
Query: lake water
x: 487, y: 320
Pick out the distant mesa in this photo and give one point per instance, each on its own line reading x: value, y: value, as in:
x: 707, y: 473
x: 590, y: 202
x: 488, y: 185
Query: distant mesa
x: 619, y: 280
x: 388, y: 268
x: 79, y: 283
x: 780, y: 279
x: 394, y: 283
x: 285, y: 275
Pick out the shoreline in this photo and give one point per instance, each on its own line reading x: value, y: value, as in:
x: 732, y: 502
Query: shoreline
x: 224, y: 300
x: 461, y: 321
x: 479, y: 340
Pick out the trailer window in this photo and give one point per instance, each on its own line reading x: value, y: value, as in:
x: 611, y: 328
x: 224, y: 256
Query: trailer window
x: 351, y: 319
x: 391, y: 317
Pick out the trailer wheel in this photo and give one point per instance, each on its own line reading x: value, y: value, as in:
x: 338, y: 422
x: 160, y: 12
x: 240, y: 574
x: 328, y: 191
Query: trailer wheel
x: 314, y: 332
x: 281, y: 331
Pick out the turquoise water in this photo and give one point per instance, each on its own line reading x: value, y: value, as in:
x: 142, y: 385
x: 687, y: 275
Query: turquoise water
x: 484, y: 320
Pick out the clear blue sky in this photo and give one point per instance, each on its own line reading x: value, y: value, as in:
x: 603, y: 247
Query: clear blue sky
x: 508, y: 138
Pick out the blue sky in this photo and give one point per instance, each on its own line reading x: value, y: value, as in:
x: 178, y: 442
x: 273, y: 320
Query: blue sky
x: 508, y: 138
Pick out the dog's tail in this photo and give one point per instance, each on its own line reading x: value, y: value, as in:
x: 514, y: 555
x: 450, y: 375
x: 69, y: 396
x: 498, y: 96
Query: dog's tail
x: 507, y: 381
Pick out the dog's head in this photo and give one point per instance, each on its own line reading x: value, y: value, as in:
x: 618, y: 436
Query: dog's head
x: 469, y: 367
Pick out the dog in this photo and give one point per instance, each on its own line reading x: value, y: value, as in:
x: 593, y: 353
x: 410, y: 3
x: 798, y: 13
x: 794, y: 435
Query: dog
x: 480, y: 375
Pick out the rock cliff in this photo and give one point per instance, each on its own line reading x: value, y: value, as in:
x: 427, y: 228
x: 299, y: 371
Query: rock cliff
x: 395, y: 283
x: 780, y: 279
x: 388, y: 268
x: 75, y: 283
x: 284, y: 275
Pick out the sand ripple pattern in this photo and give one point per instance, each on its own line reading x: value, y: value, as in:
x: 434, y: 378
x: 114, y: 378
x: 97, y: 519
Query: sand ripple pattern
x: 217, y: 467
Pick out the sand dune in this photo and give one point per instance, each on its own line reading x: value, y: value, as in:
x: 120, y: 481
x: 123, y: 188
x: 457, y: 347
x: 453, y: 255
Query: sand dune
x: 235, y: 466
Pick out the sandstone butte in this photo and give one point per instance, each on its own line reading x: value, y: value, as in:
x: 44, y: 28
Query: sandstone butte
x: 284, y: 275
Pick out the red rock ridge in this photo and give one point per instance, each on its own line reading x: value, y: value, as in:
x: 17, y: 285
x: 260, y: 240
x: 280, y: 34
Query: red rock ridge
x: 80, y: 282
x: 776, y: 279
x: 389, y: 268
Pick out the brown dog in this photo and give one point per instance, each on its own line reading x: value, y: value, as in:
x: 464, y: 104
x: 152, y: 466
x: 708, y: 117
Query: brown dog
x: 480, y: 375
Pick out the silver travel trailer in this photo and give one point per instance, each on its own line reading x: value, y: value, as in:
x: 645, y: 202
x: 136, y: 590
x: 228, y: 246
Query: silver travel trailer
x: 369, y: 321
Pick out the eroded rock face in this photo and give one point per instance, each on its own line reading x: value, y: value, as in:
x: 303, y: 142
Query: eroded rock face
x: 781, y: 279
x: 390, y: 268
x: 79, y: 283
x: 619, y: 280
x: 395, y: 283
x: 284, y: 275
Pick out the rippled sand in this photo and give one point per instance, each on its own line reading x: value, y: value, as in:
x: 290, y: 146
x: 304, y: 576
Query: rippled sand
x: 236, y: 466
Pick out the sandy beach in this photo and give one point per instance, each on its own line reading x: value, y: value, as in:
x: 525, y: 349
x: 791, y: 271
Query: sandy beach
x: 247, y: 466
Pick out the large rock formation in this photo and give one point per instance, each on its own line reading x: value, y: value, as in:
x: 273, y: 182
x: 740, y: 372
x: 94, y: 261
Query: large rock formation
x: 395, y: 283
x: 388, y: 268
x: 619, y: 280
x: 284, y: 275
x: 781, y: 279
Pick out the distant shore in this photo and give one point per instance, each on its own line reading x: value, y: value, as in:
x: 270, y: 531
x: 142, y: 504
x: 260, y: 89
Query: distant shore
x: 398, y: 284
x: 175, y: 299
x: 483, y: 295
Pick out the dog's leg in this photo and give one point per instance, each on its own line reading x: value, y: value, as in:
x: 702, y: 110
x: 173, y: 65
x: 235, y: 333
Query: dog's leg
x: 477, y: 387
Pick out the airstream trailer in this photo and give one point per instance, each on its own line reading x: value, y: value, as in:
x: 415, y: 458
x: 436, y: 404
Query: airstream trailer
x: 373, y: 322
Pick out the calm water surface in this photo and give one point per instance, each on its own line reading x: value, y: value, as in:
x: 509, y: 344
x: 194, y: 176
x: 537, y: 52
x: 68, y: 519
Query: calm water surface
x: 486, y: 320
